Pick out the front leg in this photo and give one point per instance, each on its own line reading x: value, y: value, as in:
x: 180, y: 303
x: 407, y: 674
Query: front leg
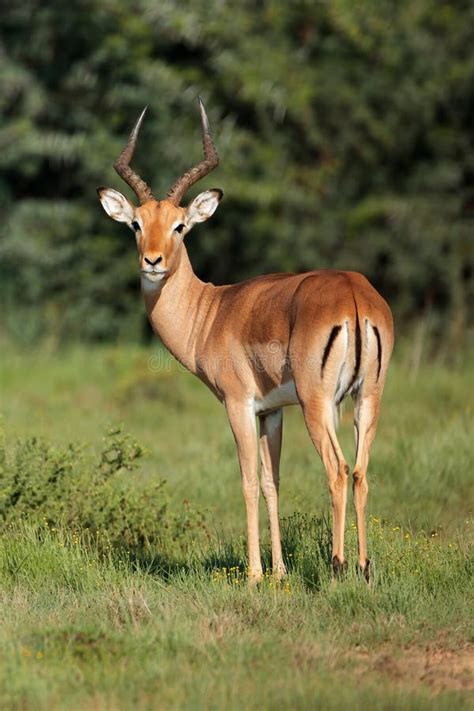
x: 270, y: 450
x: 241, y: 416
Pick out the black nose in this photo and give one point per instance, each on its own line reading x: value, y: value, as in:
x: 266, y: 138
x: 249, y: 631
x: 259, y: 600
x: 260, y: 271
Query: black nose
x: 151, y: 262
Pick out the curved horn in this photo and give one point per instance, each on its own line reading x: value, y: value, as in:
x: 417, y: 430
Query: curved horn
x: 211, y: 160
x: 121, y: 165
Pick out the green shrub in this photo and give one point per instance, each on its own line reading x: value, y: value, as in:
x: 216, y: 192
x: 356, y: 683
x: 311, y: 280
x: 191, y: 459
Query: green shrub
x: 67, y: 487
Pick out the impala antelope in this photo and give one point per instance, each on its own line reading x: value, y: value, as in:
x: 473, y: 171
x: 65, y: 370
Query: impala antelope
x: 276, y: 340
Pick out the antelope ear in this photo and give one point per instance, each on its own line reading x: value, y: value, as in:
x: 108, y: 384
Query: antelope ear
x: 116, y: 205
x: 203, y: 206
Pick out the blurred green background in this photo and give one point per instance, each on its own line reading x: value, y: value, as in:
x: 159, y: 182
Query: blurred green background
x: 345, y: 132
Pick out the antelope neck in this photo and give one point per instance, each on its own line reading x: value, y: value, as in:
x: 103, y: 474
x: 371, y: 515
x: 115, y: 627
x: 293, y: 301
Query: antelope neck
x: 177, y: 310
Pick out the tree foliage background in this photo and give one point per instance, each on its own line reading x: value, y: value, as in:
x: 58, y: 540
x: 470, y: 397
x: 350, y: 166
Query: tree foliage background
x: 345, y: 131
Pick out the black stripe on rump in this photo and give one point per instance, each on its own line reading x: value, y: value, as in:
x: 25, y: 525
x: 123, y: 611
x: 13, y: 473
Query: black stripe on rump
x: 332, y: 337
x: 358, y: 350
x: 379, y: 350
x: 358, y: 345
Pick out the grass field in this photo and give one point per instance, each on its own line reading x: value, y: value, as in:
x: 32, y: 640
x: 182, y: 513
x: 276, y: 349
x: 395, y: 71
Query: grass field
x: 117, y: 593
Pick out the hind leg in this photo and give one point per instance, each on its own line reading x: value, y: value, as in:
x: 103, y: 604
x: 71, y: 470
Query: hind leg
x: 365, y: 423
x: 320, y: 420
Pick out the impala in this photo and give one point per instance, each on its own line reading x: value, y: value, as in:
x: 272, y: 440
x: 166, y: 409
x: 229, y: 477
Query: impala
x: 276, y: 340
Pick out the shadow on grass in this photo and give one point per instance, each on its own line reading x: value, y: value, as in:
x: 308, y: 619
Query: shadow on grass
x: 306, y: 543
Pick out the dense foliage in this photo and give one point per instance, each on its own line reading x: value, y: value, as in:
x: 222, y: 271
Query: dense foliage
x: 344, y: 129
x: 67, y: 487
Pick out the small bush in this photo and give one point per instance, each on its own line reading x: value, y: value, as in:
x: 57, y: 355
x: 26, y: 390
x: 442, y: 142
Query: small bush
x: 68, y: 487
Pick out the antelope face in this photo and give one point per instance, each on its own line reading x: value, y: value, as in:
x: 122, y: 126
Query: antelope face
x: 160, y: 225
x: 159, y: 228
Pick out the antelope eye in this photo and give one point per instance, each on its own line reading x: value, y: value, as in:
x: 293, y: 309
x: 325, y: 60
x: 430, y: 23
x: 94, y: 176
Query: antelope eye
x: 135, y: 226
x: 179, y: 228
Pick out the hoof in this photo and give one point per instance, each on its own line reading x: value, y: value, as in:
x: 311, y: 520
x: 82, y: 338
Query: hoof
x: 279, y: 573
x: 254, y: 578
x: 339, y: 567
x: 364, y: 570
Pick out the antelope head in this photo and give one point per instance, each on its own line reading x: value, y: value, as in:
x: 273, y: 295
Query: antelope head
x: 160, y: 225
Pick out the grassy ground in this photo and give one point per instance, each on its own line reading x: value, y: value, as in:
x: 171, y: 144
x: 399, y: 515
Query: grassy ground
x: 85, y: 623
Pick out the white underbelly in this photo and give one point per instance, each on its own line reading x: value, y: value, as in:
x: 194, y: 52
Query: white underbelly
x: 278, y: 397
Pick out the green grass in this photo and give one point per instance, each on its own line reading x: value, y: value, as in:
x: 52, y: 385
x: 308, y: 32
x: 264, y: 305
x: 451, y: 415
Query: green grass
x: 170, y: 623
